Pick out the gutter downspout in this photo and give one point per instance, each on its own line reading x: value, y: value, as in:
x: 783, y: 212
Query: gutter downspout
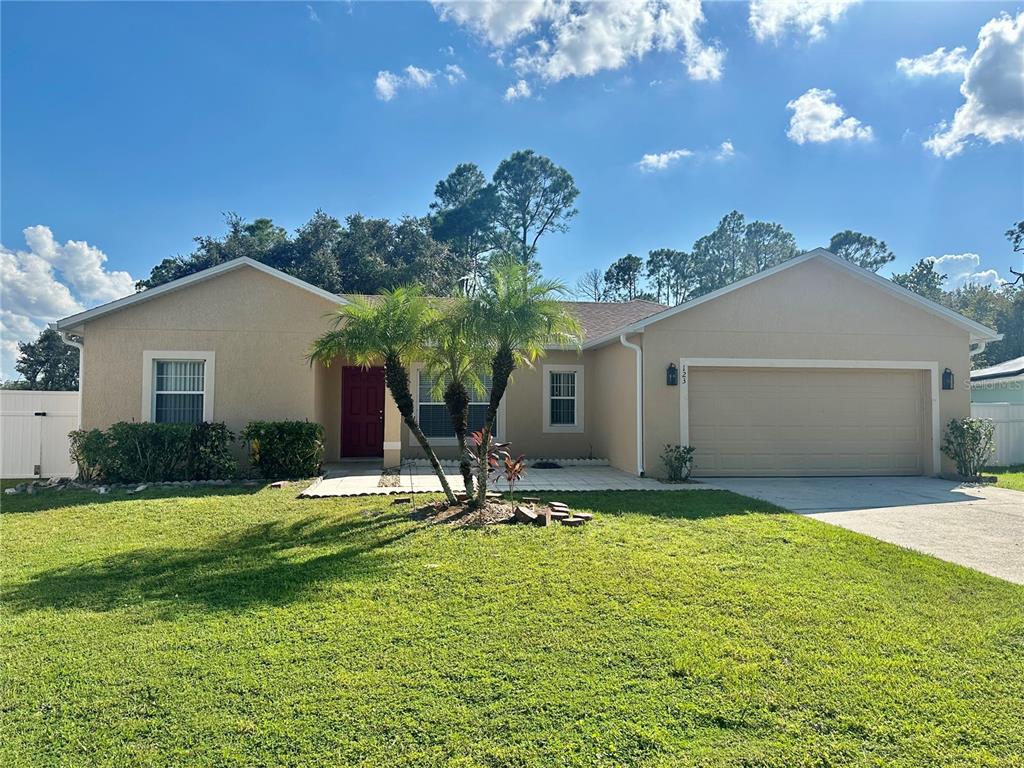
x: 979, y: 349
x: 66, y: 338
x: 639, y: 352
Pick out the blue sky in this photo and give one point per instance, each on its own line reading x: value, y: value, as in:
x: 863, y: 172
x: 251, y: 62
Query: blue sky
x: 133, y: 127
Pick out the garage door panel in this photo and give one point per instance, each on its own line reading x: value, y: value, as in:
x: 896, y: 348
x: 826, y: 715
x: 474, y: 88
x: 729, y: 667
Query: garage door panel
x: 807, y: 421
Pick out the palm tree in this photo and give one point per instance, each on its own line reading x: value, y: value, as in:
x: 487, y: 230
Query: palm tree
x: 518, y: 314
x: 392, y: 329
x: 455, y: 359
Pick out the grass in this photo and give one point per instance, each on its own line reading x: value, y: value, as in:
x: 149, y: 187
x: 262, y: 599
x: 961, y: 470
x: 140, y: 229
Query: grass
x: 1008, y: 477
x: 227, y: 627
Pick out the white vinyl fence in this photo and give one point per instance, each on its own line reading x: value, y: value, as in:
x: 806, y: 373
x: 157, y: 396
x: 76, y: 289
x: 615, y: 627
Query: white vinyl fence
x: 1009, y: 437
x: 34, y: 430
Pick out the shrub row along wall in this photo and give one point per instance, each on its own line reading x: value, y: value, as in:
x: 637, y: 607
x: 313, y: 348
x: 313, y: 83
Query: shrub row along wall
x: 148, y: 452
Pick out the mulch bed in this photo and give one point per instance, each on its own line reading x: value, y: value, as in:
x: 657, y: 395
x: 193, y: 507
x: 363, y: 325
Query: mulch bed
x: 498, y: 512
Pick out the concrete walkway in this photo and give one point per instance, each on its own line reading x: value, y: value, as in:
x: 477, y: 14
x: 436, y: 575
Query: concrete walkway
x: 364, y: 479
x: 981, y: 527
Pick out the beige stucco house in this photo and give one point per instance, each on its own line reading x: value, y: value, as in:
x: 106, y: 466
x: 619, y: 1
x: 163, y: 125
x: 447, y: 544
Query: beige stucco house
x: 814, y: 367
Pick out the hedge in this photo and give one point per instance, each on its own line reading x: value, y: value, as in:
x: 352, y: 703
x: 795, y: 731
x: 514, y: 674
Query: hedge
x: 285, y: 449
x: 131, y: 452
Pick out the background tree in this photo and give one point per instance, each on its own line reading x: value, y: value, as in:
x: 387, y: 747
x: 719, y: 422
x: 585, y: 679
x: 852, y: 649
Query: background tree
x: 463, y: 216
x: 659, y: 272
x: 720, y: 255
x: 766, y: 245
x: 861, y: 249
x: 518, y: 313
x: 684, y: 277
x: 623, y: 278
x: 534, y: 197
x: 46, y: 363
x: 312, y: 255
x: 923, y: 280
x: 393, y: 330
x: 590, y: 286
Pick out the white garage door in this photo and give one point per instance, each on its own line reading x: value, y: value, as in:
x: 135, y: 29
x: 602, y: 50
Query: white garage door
x: 784, y: 421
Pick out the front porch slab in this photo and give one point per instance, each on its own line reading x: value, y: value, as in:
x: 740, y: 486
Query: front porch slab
x: 364, y: 480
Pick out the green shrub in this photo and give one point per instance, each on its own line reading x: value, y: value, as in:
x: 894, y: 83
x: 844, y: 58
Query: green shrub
x: 969, y: 443
x: 145, y: 452
x: 678, y: 460
x: 90, y: 450
x: 285, y: 449
x: 209, y: 452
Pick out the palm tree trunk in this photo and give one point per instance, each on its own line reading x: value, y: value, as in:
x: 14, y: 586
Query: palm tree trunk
x: 397, y: 379
x: 502, y: 366
x: 457, y: 399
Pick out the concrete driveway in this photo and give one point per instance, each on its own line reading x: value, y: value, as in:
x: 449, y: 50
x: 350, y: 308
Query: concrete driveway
x: 980, y: 527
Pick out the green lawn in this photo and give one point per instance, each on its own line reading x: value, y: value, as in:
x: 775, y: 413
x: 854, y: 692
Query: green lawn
x: 1009, y: 477
x: 682, y: 628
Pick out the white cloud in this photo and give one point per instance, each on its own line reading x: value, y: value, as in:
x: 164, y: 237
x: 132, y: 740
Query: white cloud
x: 556, y: 39
x: 963, y: 269
x: 993, y: 91
x: 520, y: 90
x: 938, y: 62
x: 387, y: 83
x: 49, y: 281
x: 769, y: 19
x: 725, y: 151
x: 419, y: 78
x: 454, y: 74
x: 313, y: 16
x: 662, y: 160
x: 818, y: 119
x: 447, y: 50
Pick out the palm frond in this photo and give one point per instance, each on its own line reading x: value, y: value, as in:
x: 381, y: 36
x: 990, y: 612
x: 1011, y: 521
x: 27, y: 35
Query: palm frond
x: 367, y: 330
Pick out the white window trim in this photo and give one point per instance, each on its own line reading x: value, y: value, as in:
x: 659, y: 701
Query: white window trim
x: 149, y: 359
x: 443, y: 442
x: 932, y: 367
x: 546, y: 395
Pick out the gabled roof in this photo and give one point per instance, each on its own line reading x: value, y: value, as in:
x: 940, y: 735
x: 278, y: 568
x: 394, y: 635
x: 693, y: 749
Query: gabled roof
x: 596, y: 318
x: 183, y: 282
x: 978, y: 332
x: 1004, y: 370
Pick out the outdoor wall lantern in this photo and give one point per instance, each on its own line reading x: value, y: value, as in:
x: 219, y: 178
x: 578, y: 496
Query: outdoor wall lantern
x: 672, y: 375
x: 947, y: 379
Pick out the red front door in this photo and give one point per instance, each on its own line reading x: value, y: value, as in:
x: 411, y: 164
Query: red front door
x: 362, y: 411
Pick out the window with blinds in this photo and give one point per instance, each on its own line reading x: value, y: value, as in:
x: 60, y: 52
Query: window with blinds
x: 433, y: 416
x: 178, y: 391
x: 563, y: 398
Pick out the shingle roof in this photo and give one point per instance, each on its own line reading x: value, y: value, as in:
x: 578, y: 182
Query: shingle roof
x: 601, y: 318
x: 597, y: 318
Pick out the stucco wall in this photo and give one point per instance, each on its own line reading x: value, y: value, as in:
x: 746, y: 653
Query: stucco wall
x: 812, y: 310
x: 613, y: 400
x: 260, y: 329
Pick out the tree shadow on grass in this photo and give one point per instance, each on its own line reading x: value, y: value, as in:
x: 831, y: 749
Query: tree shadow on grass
x: 267, y: 564
x: 701, y: 504
x: 48, y: 498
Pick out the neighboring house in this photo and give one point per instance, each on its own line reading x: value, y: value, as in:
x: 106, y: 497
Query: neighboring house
x: 813, y: 367
x: 997, y: 393
x: 1002, y: 383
